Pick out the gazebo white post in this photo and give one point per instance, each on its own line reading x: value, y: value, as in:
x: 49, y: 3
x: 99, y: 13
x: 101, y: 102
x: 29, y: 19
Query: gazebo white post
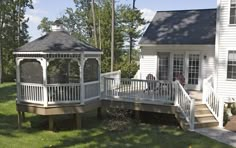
x: 18, y: 60
x: 99, y: 75
x: 82, y: 93
x: 43, y: 63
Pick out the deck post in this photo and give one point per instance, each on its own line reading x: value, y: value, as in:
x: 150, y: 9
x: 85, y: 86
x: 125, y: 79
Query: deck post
x: 105, y: 87
x: 50, y: 123
x: 192, y: 115
x: 18, y: 87
x: 78, y: 120
x: 19, y: 119
x: 82, y: 89
x: 176, y: 93
x: 43, y: 63
x: 204, y: 91
x: 221, y: 113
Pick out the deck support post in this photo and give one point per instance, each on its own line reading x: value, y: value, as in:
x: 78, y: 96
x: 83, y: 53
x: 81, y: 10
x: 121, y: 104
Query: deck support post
x: 19, y: 120
x: 23, y: 116
x: 99, y: 113
x: 78, y: 120
x: 50, y: 123
x: 137, y: 115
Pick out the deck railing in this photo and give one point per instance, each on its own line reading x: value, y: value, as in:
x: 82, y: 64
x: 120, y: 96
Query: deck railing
x: 32, y: 93
x: 63, y: 93
x: 162, y: 91
x: 115, y: 74
x: 213, y: 102
x: 185, y: 103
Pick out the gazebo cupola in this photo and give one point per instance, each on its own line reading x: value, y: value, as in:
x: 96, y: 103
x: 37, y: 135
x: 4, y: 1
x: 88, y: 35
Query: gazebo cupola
x: 57, y: 69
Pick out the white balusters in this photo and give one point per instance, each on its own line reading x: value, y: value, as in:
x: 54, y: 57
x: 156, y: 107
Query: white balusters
x: 32, y: 93
x: 63, y: 93
x: 140, y: 89
x: 214, y: 103
x: 186, y: 104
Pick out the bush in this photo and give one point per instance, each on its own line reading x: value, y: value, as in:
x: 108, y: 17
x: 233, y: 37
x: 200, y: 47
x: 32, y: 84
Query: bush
x: 118, y: 119
x: 128, y: 70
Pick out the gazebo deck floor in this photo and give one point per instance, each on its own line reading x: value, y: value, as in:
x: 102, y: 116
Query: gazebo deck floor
x: 58, y: 109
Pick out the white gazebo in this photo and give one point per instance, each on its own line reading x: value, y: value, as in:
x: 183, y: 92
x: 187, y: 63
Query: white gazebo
x: 57, y: 74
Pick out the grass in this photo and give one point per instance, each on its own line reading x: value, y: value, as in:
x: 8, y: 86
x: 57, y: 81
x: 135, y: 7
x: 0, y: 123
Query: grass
x: 94, y: 132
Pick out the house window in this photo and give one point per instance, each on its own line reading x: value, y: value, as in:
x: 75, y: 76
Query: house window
x: 231, y: 69
x: 163, y: 66
x: 233, y: 12
x: 178, y: 65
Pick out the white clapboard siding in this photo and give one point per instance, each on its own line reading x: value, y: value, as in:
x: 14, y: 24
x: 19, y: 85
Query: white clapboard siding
x: 148, y: 62
x: 226, y: 41
x: 149, y: 58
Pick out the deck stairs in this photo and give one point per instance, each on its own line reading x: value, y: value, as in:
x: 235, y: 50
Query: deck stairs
x: 203, y: 116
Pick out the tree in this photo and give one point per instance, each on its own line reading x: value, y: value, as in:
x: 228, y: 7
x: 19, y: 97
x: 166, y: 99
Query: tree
x: 79, y: 22
x: 94, y: 25
x: 13, y: 33
x: 112, y: 33
x: 131, y: 21
x: 45, y: 25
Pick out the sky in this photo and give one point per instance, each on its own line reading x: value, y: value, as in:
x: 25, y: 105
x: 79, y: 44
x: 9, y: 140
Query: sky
x: 55, y: 8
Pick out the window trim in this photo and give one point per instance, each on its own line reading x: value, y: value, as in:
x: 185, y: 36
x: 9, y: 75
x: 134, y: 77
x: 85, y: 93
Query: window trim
x: 229, y: 11
x: 227, y: 59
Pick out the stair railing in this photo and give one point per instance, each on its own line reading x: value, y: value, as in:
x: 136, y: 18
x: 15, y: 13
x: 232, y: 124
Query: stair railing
x: 212, y: 101
x: 185, y: 103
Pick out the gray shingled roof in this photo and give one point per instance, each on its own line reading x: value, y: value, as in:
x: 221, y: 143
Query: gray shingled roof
x: 182, y: 27
x: 58, y: 41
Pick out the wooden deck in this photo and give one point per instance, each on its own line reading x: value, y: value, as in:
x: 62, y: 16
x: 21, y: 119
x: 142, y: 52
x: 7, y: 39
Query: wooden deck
x: 139, y: 105
x: 58, y: 109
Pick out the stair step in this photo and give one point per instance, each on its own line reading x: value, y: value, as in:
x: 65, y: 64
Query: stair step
x: 209, y: 120
x: 200, y: 106
x: 203, y: 115
x: 206, y: 124
x: 203, y: 111
x: 198, y: 102
x: 205, y: 119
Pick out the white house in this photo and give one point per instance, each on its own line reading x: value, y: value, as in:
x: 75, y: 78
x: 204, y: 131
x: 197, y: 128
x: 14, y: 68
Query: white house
x: 196, y: 43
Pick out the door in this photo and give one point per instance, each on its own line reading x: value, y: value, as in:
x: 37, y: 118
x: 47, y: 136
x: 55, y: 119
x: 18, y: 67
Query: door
x: 178, y: 65
x: 193, y: 71
x: 163, y: 68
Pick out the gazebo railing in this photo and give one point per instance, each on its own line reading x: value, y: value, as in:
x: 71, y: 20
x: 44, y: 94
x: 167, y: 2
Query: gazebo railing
x: 58, y: 93
x: 92, y: 90
x: 63, y: 93
x: 31, y: 92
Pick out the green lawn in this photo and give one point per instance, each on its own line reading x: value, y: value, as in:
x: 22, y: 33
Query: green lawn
x: 94, y: 132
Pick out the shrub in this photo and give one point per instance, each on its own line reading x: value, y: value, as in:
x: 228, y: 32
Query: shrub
x: 128, y: 70
x: 118, y: 119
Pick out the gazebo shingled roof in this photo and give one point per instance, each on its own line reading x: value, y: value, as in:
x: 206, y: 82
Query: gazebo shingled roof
x: 58, y: 41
